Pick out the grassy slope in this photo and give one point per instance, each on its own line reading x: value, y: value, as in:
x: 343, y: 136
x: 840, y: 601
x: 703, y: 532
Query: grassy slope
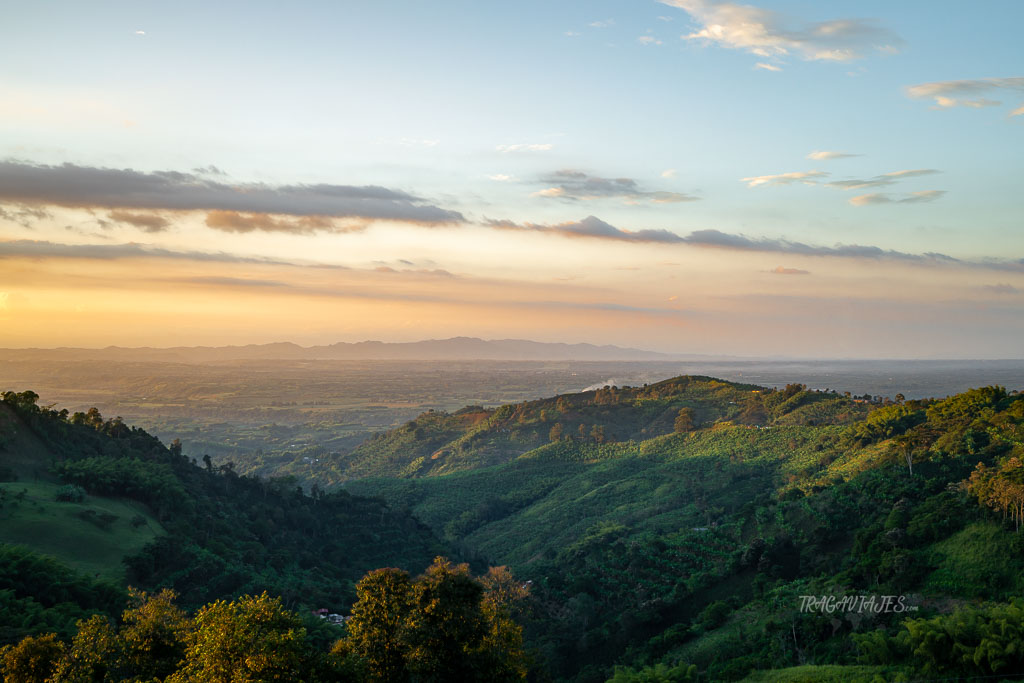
x: 31, y: 515
x: 821, y: 674
x: 63, y: 530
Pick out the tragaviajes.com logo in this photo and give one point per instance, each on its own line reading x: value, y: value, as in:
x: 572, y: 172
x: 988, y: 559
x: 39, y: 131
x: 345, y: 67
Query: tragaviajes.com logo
x: 878, y: 604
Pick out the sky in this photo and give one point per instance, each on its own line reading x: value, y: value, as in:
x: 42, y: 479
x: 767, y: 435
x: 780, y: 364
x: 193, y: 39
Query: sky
x: 801, y: 179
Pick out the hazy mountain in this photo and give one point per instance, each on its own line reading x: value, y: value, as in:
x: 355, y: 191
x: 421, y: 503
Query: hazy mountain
x: 457, y: 348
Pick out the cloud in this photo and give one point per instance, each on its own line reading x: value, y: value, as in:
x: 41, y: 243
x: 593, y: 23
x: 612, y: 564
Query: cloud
x: 576, y: 185
x: 764, y: 33
x: 722, y: 240
x: 822, y: 155
x: 23, y: 215
x: 524, y: 147
x: 41, y: 249
x: 234, y: 221
x: 880, y: 180
x: 595, y: 228
x: 221, y: 281
x: 767, y: 67
x: 882, y: 198
x: 140, y: 33
x: 948, y: 94
x: 86, y: 187
x: 148, y: 222
x: 1019, y: 111
x: 591, y: 227
x: 805, y: 177
x: 1001, y: 288
x: 500, y: 177
x: 605, y: 23
x: 432, y: 272
x: 648, y: 40
x: 668, y: 173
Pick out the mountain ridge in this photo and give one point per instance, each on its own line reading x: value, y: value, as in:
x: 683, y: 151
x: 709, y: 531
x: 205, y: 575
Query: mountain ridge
x: 453, y: 348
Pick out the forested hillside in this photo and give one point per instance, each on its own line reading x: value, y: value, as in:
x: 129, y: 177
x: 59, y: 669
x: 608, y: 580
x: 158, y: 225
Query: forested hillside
x: 442, y: 443
x: 114, y: 503
x: 692, y: 529
x: 694, y: 547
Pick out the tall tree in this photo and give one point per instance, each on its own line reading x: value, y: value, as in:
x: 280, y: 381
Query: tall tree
x: 376, y: 628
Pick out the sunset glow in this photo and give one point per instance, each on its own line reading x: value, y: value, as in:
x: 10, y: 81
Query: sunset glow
x: 685, y: 175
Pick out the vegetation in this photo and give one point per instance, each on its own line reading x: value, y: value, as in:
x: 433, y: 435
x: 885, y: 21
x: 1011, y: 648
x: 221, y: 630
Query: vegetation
x: 206, y: 532
x: 676, y: 531
x: 444, y: 625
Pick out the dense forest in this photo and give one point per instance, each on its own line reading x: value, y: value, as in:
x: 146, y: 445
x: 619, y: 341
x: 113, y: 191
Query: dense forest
x: 692, y: 529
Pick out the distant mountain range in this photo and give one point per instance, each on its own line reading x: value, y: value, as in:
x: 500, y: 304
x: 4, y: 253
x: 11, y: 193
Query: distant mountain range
x: 456, y: 348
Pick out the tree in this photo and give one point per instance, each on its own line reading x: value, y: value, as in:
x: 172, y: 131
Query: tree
x: 555, y: 433
x: 92, y: 653
x: 446, y: 626
x: 32, y: 660
x: 152, y: 637
x: 684, y: 421
x: 1001, y: 489
x: 443, y: 626
x: 249, y: 639
x: 503, y: 598
x: 376, y: 628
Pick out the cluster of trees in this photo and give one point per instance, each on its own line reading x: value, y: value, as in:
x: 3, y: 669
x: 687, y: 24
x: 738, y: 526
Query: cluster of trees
x: 442, y: 626
x: 39, y: 594
x: 1001, y: 488
x: 252, y: 638
x: 971, y: 642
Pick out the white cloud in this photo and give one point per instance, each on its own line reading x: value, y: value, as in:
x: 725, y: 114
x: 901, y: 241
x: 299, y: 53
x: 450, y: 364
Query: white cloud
x: 602, y: 24
x: 762, y: 32
x: 140, y: 33
x: 576, y: 185
x: 880, y: 180
x: 500, y: 177
x: 964, y: 93
x: 668, y: 173
x: 805, y: 177
x: 1019, y: 111
x: 572, y: 34
x: 767, y: 67
x: 648, y: 40
x: 524, y: 147
x: 882, y: 198
x: 981, y: 102
x: 664, y: 18
x: 823, y: 155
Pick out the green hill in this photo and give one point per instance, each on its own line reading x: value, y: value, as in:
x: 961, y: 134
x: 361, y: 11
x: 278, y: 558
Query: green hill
x: 112, y: 505
x: 438, y: 443
x: 668, y: 532
x: 695, y: 547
